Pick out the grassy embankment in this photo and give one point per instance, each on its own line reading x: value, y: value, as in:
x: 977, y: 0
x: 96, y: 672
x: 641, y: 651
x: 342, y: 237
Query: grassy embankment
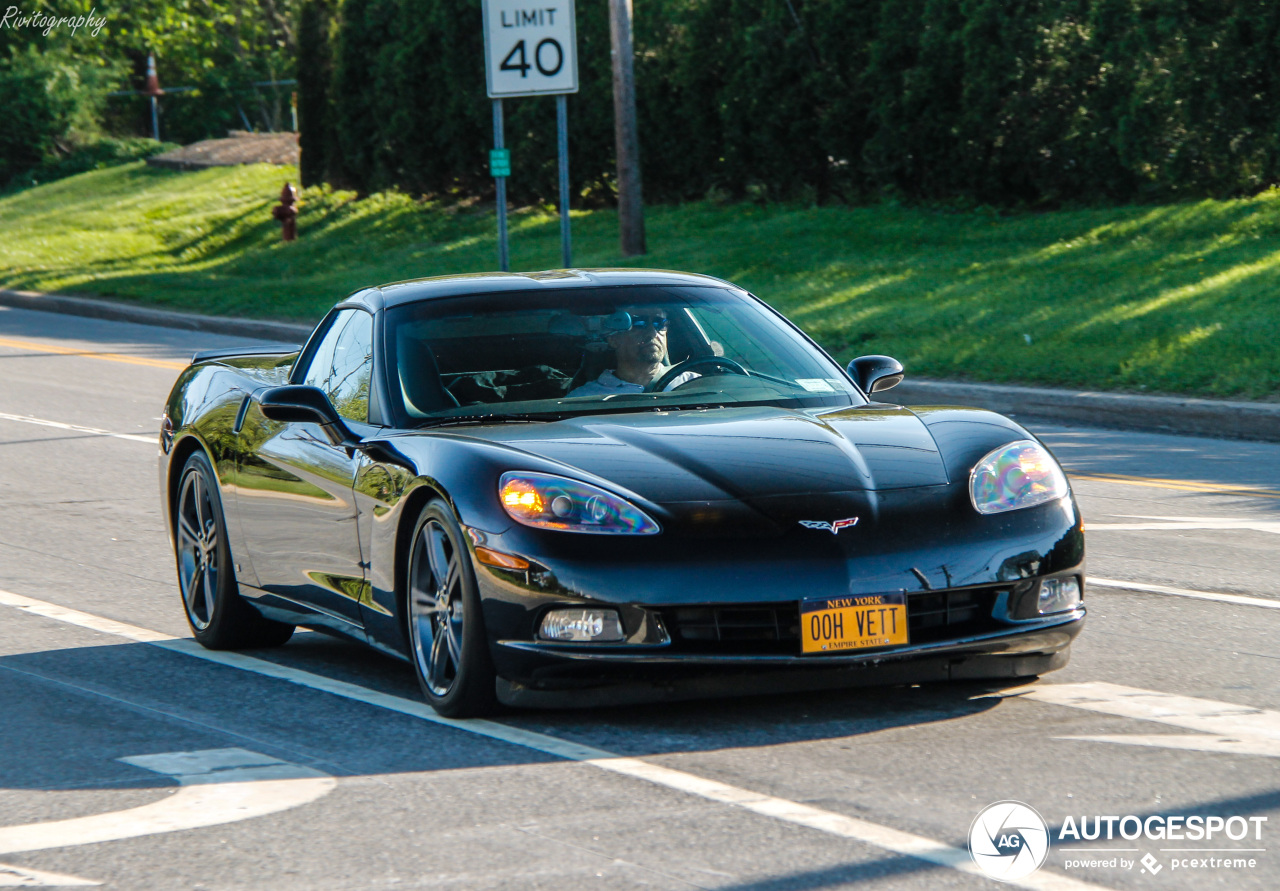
x: 1182, y: 298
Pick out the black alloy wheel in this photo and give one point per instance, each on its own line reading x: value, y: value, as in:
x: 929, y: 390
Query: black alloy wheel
x: 218, y: 617
x: 449, y: 650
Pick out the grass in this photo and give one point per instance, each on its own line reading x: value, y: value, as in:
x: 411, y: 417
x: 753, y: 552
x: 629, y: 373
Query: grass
x: 1181, y: 298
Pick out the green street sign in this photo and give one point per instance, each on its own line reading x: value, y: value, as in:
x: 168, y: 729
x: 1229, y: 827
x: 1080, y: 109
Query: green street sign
x: 500, y: 162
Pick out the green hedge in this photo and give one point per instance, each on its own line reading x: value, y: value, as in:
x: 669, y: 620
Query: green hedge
x: 49, y: 106
x: 1005, y: 102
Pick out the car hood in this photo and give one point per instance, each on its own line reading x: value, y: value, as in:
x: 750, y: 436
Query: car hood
x: 750, y: 454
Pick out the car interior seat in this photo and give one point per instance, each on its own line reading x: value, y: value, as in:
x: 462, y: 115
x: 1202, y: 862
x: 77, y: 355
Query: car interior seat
x: 420, y: 384
x: 596, y: 357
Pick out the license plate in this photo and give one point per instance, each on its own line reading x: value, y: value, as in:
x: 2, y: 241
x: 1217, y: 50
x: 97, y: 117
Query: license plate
x: 836, y: 624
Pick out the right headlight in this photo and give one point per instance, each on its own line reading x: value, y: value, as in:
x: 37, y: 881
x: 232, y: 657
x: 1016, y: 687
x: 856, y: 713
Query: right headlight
x: 1020, y: 474
x: 545, y: 501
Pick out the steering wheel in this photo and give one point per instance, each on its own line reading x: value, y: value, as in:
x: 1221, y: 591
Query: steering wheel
x: 688, y: 365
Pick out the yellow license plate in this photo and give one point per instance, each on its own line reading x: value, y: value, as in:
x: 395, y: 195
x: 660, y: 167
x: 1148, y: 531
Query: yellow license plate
x: 834, y: 624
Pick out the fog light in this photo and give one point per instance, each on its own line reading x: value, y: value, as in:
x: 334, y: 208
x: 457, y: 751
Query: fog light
x: 581, y: 625
x: 1059, y: 595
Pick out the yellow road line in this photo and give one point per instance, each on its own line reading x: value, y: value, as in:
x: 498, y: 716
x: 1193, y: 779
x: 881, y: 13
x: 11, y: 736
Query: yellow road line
x: 1178, y: 485
x: 89, y: 354
x: 1151, y: 482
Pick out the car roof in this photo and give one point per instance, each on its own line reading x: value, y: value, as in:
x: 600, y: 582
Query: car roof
x: 397, y: 293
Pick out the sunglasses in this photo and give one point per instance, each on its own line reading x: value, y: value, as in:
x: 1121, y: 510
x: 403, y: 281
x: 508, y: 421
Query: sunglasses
x: 644, y: 323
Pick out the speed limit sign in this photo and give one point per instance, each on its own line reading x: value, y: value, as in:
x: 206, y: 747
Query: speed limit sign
x: 530, y: 48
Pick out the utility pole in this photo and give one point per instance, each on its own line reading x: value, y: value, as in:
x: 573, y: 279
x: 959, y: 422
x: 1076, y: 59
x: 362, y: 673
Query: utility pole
x: 630, y: 201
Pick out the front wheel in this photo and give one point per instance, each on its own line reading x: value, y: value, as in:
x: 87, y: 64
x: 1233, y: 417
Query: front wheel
x: 218, y: 616
x: 449, y: 650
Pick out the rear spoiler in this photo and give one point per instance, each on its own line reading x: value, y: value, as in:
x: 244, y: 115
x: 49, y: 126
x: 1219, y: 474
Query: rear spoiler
x: 269, y: 349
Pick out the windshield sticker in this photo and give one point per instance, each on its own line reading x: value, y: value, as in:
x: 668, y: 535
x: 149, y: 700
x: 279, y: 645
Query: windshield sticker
x: 815, y: 385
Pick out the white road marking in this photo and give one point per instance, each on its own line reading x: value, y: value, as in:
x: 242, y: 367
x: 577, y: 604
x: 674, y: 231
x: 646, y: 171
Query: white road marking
x: 78, y: 428
x: 84, y: 620
x: 1195, y: 742
x: 1238, y: 599
x: 233, y: 765
x: 793, y: 812
x: 19, y: 877
x: 218, y: 786
x: 1182, y: 524
x: 1230, y: 728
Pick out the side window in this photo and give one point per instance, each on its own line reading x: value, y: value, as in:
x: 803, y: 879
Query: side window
x: 343, y: 364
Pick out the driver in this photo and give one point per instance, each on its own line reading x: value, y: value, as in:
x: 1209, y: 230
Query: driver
x: 640, y: 351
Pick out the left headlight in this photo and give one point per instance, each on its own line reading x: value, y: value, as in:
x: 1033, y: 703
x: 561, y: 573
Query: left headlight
x: 1020, y: 474
x: 555, y: 502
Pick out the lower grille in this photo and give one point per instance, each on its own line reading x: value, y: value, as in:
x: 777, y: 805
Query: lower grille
x: 944, y: 615
x: 734, y: 624
x: 760, y: 628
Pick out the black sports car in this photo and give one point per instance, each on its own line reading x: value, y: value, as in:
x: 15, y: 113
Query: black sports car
x: 570, y: 486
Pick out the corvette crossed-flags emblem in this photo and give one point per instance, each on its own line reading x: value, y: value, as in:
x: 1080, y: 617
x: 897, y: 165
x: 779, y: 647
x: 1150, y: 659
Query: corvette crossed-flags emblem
x: 832, y: 527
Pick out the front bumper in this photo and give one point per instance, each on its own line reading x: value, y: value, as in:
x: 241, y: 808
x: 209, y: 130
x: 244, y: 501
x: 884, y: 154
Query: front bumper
x: 591, y: 682
x: 695, y: 608
x: 993, y: 647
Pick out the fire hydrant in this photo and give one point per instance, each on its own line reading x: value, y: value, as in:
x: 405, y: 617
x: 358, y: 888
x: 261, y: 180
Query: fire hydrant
x: 287, y: 212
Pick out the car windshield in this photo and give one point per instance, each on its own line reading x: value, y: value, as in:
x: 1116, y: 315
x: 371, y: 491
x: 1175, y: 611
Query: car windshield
x: 557, y: 353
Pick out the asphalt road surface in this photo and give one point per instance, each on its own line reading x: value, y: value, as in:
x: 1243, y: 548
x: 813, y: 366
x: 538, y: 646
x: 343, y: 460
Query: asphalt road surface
x: 131, y: 759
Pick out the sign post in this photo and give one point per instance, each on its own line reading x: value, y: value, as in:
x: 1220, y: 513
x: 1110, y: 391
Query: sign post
x: 500, y: 169
x: 562, y: 144
x: 531, y: 50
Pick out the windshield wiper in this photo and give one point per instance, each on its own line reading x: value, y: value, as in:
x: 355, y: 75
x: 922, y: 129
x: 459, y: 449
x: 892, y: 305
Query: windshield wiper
x: 496, y: 418
x: 776, y: 380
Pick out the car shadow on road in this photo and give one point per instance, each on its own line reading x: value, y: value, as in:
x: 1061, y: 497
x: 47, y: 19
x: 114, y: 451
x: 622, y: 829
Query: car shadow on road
x: 689, y: 725
x: 68, y: 708
x: 698, y: 725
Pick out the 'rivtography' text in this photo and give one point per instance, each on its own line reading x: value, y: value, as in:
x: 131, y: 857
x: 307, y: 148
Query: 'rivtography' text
x: 46, y: 24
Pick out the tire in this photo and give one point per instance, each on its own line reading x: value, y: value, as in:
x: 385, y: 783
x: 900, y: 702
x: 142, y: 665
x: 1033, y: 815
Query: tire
x: 447, y: 642
x: 218, y: 616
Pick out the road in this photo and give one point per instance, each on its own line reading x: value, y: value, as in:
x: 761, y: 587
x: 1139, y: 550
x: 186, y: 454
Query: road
x: 317, y: 767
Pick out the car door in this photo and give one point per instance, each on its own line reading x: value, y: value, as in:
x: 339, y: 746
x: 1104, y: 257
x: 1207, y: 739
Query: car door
x: 294, y: 486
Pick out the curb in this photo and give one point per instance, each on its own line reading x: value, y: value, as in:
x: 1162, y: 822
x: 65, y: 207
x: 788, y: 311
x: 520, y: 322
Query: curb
x: 141, y: 315
x: 1185, y: 416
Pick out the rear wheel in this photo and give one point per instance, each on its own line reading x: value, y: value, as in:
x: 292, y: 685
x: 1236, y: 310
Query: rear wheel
x: 449, y: 649
x: 218, y: 616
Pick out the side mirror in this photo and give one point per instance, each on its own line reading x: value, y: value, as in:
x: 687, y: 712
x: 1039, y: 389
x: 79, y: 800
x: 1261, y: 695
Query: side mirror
x: 297, y: 403
x: 876, y: 373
